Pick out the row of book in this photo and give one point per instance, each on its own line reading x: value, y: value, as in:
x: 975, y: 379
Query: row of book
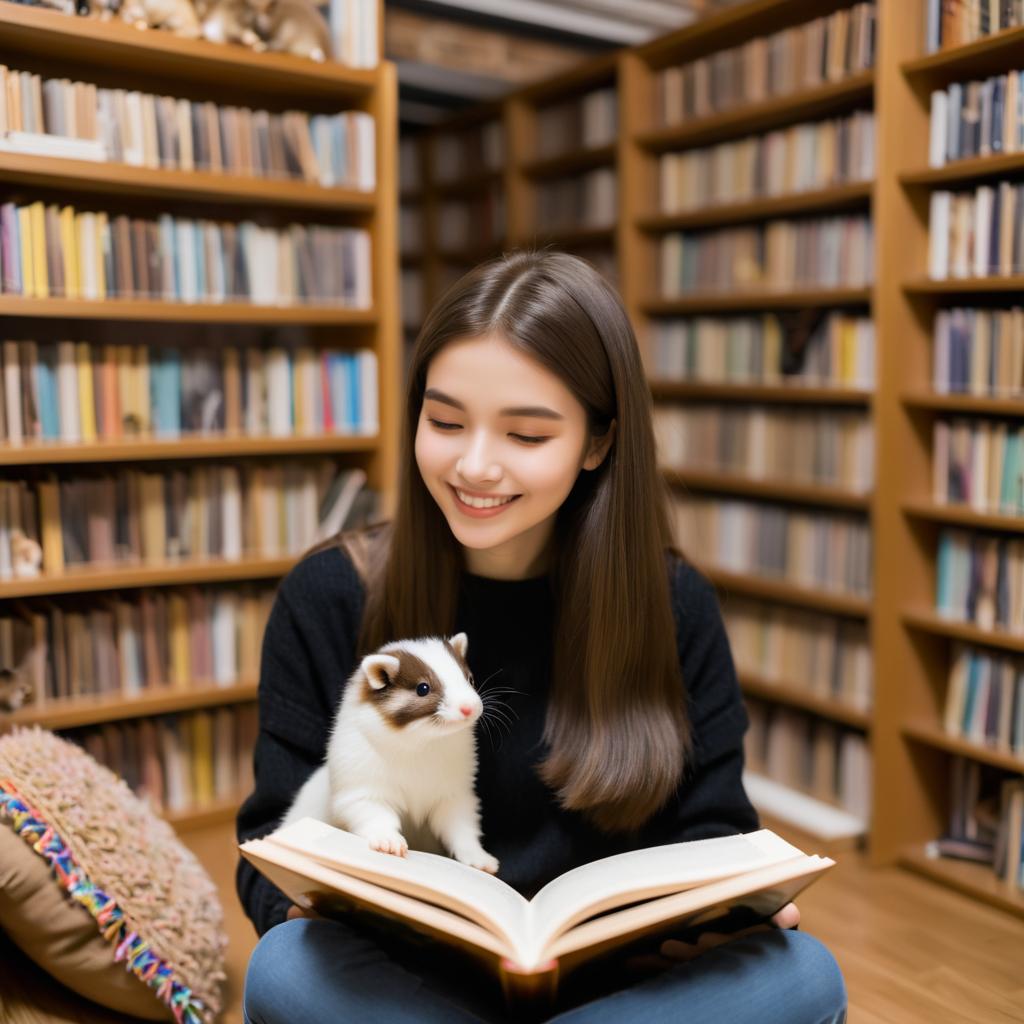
x: 800, y: 158
x: 825, y: 252
x: 979, y: 578
x: 986, y: 820
x: 473, y: 222
x: 951, y: 23
x: 979, y: 351
x: 126, y: 644
x: 976, y: 234
x: 970, y: 119
x: 839, y: 351
x: 810, y: 754
x: 584, y: 122
x: 827, y: 49
x: 979, y: 463
x: 74, y: 391
x: 985, y: 699
x: 135, y: 516
x: 81, y: 121
x: 584, y: 201
x: 824, y: 551
x: 179, y: 763
x: 825, y: 447
x: 475, y: 150
x: 826, y: 656
x: 48, y: 251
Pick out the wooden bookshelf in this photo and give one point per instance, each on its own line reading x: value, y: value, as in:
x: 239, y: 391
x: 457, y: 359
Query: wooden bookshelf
x: 793, y: 695
x: 905, y: 633
x: 914, y: 643
x: 78, y: 711
x: 209, y: 447
x: 114, y: 54
x: 156, y: 311
x: 796, y: 392
x: 754, y: 300
x: 75, y: 580
x: 778, y: 490
x: 829, y: 200
x: 167, y: 185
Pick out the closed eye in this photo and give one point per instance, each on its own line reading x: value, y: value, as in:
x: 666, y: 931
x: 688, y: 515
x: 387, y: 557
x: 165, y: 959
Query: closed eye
x: 525, y: 438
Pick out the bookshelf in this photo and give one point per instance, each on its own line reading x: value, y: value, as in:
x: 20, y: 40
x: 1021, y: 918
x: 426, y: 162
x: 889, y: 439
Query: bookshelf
x: 646, y: 144
x: 113, y: 55
x: 914, y: 754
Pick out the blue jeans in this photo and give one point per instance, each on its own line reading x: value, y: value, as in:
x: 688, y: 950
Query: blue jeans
x: 316, y: 971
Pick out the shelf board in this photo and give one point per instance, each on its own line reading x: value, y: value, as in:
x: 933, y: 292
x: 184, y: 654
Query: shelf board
x: 930, y: 621
x: 983, y: 57
x: 962, y: 171
x: 934, y: 736
x: 838, y: 197
x: 162, y: 183
x: 782, y: 393
x: 975, y: 880
x: 962, y: 515
x: 183, y: 312
x: 116, y: 45
x: 572, y: 237
x: 815, y: 817
x: 217, y: 813
x: 738, y: 483
x: 73, y: 712
x: 570, y: 162
x: 756, y: 685
x: 965, y: 285
x: 789, y: 593
x: 754, y: 118
x: 120, y: 577
x: 468, y: 183
x: 935, y: 402
x: 698, y: 302
x: 149, y: 449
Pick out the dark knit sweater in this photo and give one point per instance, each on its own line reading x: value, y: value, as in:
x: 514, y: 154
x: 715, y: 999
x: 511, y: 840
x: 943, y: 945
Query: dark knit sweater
x: 309, y: 653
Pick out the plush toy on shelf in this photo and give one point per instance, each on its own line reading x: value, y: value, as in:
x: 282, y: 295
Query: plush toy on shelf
x: 293, y: 26
x: 177, y: 16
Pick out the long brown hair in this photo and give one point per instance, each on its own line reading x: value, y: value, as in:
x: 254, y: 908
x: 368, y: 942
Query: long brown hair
x: 616, y: 729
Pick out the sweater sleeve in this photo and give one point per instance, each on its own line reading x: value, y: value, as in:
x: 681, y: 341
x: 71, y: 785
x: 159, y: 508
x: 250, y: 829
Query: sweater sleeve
x: 308, y: 652
x: 711, y: 800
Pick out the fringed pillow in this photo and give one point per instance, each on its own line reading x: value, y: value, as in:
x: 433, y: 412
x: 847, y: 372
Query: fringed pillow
x: 99, y: 891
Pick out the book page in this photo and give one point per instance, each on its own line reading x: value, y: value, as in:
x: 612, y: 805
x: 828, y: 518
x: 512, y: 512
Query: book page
x: 645, y: 874
x: 765, y: 891
x: 479, y: 896
x: 309, y: 885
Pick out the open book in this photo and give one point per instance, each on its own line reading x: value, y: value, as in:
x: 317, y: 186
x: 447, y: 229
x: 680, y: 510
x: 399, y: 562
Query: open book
x: 579, y: 915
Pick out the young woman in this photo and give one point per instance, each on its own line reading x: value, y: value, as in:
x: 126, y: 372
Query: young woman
x: 625, y: 722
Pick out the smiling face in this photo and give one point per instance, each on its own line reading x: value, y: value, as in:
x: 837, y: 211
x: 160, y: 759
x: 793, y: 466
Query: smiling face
x: 499, y: 444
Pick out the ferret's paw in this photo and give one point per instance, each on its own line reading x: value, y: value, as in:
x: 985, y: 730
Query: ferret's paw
x: 478, y: 857
x: 389, y: 842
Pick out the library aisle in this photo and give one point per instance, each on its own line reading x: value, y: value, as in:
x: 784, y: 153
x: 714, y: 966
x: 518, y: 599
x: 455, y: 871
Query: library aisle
x: 214, y: 260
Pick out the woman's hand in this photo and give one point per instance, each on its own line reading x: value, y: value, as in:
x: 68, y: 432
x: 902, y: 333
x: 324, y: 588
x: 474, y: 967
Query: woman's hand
x: 674, y: 951
x: 297, y: 911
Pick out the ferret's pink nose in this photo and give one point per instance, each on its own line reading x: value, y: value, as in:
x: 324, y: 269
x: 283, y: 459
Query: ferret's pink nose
x: 467, y: 710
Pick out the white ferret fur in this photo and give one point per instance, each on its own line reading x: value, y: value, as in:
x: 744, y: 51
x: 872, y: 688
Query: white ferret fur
x: 402, y: 752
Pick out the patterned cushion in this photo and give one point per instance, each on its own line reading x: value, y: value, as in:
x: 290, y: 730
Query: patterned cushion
x: 98, y: 890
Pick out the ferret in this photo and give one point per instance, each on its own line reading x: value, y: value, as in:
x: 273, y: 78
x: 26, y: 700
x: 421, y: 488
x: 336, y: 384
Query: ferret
x: 403, y: 750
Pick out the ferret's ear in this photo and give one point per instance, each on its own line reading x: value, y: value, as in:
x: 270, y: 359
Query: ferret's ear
x: 380, y: 669
x: 460, y: 642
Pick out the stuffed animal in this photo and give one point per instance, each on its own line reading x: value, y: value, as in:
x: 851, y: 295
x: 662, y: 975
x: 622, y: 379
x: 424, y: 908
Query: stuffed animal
x: 26, y: 556
x: 293, y: 26
x: 178, y: 16
x: 229, y: 21
x: 15, y: 690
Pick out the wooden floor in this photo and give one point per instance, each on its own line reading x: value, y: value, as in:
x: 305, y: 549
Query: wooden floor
x: 910, y: 949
